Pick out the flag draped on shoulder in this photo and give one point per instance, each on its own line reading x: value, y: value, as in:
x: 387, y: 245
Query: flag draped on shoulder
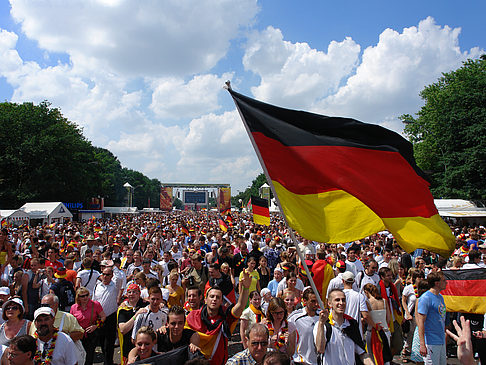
x: 339, y: 180
x: 261, y: 213
x: 465, y: 291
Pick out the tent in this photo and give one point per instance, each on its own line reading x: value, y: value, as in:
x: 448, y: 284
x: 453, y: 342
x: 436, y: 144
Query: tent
x: 47, y: 212
x: 464, y: 211
x: 15, y: 217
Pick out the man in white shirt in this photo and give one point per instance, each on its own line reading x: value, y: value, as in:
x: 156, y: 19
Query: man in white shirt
x: 88, y: 277
x: 301, y: 324
x: 352, y: 262
x: 355, y: 302
x: 368, y: 276
x: 154, y: 317
x: 106, y: 293
x: 64, y: 349
x: 340, y: 346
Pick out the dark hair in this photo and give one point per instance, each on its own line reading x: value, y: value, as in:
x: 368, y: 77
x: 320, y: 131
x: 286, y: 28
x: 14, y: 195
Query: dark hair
x: 274, y: 304
x: 25, y: 343
x: 383, y: 271
x: 151, y: 282
x: 215, y: 266
x: 276, y: 358
x: 155, y: 290
x: 216, y: 287
x: 253, y: 293
x: 176, y: 311
x: 473, y: 255
x: 434, y: 277
x: 368, y: 262
x: 195, y: 287
x: 307, y: 293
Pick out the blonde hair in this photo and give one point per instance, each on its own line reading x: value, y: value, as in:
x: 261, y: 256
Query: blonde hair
x: 81, y: 291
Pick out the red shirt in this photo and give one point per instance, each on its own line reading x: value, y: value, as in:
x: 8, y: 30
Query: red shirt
x: 56, y: 264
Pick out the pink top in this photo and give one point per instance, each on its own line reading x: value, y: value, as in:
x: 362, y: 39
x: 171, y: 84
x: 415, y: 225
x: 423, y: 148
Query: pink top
x: 84, y: 317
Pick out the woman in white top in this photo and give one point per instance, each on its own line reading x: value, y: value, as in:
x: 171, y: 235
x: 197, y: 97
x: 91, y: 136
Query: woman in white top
x: 380, y: 314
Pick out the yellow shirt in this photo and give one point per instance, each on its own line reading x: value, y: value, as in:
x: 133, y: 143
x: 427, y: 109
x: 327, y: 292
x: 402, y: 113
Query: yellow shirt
x: 176, y: 297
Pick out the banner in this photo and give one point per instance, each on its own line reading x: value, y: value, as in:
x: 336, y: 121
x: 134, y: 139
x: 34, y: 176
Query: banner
x: 224, y: 199
x: 166, y: 198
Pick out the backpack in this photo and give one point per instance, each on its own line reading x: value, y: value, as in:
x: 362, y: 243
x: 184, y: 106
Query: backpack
x: 67, y: 295
x: 352, y: 332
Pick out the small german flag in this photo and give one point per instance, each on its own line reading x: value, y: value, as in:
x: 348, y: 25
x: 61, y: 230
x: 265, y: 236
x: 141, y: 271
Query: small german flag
x: 229, y: 219
x: 184, y: 230
x: 465, y: 291
x: 261, y: 213
x: 222, y: 224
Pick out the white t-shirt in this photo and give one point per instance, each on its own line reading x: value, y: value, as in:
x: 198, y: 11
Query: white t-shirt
x: 65, y: 352
x: 354, y: 266
x: 303, y: 324
x: 355, y: 304
x: 150, y: 319
x: 131, y: 268
x: 84, y: 276
x: 282, y: 285
x: 341, y: 349
x: 409, y: 292
x: 362, y: 279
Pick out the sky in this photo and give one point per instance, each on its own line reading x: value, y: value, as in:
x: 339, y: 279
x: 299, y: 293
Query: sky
x: 145, y: 79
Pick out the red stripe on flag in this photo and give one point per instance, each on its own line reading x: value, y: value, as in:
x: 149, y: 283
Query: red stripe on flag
x: 469, y: 288
x: 265, y: 212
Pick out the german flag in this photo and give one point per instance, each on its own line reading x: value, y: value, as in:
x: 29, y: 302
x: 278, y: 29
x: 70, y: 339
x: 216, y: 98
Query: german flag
x: 339, y: 180
x: 222, y: 224
x: 322, y: 274
x: 261, y: 213
x: 465, y: 291
x: 184, y: 230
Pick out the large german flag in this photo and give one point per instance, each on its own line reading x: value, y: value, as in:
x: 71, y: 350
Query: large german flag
x: 339, y: 179
x: 261, y: 213
x: 465, y: 291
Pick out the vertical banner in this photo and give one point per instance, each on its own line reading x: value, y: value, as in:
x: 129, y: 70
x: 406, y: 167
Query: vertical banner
x: 166, y: 198
x: 224, y: 199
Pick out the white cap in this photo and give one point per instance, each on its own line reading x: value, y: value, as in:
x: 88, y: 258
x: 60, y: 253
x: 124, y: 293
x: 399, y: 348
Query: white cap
x: 14, y: 300
x: 348, y: 277
x: 4, y: 290
x: 43, y: 310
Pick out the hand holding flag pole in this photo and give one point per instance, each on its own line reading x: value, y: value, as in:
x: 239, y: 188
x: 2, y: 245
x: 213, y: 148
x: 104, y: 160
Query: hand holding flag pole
x: 292, y: 234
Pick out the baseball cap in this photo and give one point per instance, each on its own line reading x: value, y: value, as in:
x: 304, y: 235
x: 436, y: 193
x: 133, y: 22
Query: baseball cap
x: 4, y: 290
x: 13, y: 300
x: 264, y: 292
x: 43, y: 310
x: 340, y: 264
x: 133, y: 287
x: 214, y: 245
x: 348, y: 277
x: 107, y: 263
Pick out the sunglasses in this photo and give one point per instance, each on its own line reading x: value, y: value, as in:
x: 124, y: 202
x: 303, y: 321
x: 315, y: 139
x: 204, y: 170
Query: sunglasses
x: 12, y: 308
x: 83, y: 295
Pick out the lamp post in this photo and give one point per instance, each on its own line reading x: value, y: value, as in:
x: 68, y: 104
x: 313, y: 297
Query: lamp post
x: 130, y: 194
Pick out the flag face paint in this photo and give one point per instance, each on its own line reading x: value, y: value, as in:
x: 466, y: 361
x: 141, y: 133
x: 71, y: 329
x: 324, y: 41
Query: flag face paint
x: 339, y: 180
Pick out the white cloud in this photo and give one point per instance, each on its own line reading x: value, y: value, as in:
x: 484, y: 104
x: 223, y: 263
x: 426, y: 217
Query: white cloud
x: 136, y: 38
x: 172, y: 98
x: 392, y: 73
x: 293, y: 74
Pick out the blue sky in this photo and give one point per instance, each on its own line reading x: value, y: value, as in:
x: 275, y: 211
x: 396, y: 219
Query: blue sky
x: 144, y: 79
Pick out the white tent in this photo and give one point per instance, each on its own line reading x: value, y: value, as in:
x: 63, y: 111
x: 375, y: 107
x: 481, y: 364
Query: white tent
x: 48, y: 212
x: 465, y: 211
x: 15, y: 216
x: 121, y: 210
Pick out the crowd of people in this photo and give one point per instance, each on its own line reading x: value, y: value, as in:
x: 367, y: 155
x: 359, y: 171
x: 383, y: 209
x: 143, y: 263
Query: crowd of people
x: 179, y: 282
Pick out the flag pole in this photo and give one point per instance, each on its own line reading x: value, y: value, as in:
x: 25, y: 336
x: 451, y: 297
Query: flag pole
x: 269, y: 180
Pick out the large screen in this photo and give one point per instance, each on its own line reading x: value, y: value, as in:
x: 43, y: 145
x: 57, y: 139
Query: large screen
x: 195, y: 197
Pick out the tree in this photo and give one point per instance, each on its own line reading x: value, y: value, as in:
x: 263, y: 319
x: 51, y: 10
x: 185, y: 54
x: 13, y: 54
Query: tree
x: 449, y: 132
x: 251, y: 190
x: 43, y: 156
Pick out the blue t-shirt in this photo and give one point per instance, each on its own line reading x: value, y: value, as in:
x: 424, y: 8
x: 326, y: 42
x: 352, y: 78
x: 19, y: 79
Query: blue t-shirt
x: 434, y: 308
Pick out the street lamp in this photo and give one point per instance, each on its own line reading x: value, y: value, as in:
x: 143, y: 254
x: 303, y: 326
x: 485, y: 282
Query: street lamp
x: 130, y: 193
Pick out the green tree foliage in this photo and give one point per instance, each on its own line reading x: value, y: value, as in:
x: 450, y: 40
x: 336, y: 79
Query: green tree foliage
x: 449, y: 132
x: 251, y: 190
x: 45, y: 157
